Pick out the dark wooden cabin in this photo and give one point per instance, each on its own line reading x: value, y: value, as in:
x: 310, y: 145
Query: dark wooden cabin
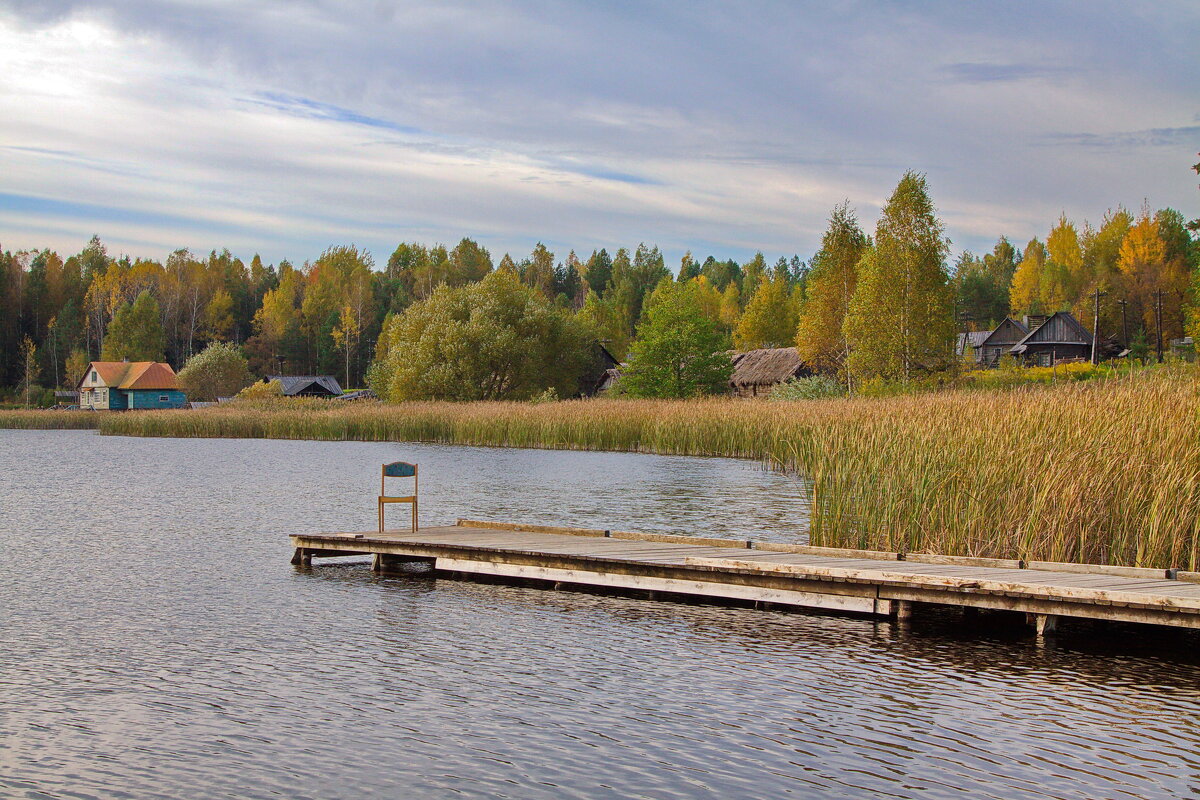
x: 756, y: 372
x: 600, y: 372
x: 1061, y: 337
x: 999, y: 341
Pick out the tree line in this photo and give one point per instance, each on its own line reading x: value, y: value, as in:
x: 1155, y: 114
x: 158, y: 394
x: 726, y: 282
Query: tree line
x: 883, y: 305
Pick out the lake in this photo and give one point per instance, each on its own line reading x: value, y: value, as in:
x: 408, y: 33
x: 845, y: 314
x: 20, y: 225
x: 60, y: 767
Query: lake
x: 155, y: 642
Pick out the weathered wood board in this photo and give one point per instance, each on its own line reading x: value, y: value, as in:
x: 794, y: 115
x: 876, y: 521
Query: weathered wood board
x: 806, y: 577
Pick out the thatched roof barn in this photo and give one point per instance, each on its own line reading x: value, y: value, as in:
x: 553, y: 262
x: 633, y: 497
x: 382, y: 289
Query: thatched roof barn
x: 755, y: 372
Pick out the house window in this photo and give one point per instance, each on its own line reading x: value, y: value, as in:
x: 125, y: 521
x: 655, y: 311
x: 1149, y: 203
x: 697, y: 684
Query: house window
x: 94, y: 378
x: 163, y: 398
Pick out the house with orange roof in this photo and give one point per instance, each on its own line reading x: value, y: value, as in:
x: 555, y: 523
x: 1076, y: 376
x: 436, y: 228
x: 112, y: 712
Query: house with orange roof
x: 123, y: 385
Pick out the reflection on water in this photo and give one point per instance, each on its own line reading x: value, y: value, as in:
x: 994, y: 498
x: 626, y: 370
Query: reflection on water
x: 154, y: 642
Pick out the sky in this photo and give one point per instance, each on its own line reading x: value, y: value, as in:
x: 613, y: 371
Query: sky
x: 283, y: 128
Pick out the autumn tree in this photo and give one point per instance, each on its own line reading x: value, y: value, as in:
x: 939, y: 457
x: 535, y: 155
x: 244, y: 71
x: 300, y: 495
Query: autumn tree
x: 754, y: 273
x: 136, y: 332
x: 821, y: 335
x: 769, y: 319
x: 679, y: 351
x: 29, y: 369
x: 1025, y: 295
x: 900, y: 321
x: 492, y: 340
x: 77, y: 364
x: 345, y: 336
x: 1148, y: 268
x: 469, y: 262
x: 1062, y: 273
x: 218, y: 316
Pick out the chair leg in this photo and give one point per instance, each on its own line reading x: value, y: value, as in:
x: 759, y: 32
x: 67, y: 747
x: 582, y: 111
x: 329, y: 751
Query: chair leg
x: 414, y: 519
x: 381, y: 517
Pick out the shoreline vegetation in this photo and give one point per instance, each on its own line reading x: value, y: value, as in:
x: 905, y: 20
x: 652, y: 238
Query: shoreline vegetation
x: 1103, y: 471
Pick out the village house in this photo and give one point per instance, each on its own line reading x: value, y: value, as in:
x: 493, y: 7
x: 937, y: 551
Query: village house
x: 1061, y: 337
x: 756, y: 372
x: 124, y: 385
x: 1037, y: 340
x: 600, y: 373
x: 994, y: 344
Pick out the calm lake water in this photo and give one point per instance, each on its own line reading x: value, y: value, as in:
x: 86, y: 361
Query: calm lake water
x: 155, y: 642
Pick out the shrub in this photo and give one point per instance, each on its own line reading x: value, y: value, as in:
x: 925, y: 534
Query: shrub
x: 262, y: 390
x: 813, y: 387
x: 218, y: 370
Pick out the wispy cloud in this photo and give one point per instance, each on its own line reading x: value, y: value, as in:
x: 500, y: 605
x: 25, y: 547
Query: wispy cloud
x: 1150, y: 137
x: 311, y: 109
x: 980, y: 72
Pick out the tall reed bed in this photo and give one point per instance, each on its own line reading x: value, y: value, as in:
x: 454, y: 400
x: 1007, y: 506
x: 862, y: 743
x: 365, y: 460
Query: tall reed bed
x: 48, y: 420
x: 1103, y: 472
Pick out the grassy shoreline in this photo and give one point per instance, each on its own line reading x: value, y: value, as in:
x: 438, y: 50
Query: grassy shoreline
x: 1104, y: 472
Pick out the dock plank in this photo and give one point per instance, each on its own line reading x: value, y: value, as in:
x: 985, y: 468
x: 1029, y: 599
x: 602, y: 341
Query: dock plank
x: 842, y: 580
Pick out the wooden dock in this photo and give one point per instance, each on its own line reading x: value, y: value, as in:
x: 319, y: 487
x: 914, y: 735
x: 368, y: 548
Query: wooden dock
x: 850, y: 581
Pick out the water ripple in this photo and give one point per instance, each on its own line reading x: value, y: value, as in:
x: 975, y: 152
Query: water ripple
x: 155, y: 643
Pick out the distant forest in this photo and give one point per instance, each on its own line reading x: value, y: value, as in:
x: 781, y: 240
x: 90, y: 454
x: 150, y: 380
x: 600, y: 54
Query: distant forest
x: 325, y: 316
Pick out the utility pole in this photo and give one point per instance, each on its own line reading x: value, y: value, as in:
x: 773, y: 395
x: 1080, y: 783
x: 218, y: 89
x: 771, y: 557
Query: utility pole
x: 1158, y: 322
x: 1124, y: 323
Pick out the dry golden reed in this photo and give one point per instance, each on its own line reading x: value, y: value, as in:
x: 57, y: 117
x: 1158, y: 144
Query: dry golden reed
x: 1104, y: 472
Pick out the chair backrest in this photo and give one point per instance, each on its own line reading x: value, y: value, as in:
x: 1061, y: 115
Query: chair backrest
x: 398, y: 469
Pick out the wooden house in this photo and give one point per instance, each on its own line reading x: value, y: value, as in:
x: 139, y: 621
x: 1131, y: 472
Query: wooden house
x: 1060, y: 337
x: 967, y: 344
x: 123, y: 385
x: 999, y: 341
x: 598, y: 375
x: 307, y: 385
x: 756, y: 372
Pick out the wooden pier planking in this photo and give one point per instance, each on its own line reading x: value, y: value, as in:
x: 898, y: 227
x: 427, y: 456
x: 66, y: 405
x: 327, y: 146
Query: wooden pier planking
x: 802, y: 576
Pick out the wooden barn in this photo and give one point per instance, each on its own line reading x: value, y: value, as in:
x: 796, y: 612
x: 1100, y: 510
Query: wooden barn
x: 123, y: 385
x: 1060, y: 337
x: 756, y: 372
x: 307, y: 385
x: 999, y: 341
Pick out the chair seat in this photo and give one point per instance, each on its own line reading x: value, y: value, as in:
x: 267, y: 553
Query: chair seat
x: 387, y: 499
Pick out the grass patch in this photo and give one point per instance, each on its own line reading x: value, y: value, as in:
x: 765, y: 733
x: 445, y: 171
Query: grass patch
x: 1103, y: 471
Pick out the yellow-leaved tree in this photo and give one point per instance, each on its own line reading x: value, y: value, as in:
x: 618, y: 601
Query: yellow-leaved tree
x: 901, y: 319
x: 769, y: 319
x: 1025, y: 296
x: 820, y: 334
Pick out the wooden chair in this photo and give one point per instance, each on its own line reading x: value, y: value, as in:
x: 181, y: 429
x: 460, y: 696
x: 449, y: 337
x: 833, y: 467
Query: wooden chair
x: 398, y: 469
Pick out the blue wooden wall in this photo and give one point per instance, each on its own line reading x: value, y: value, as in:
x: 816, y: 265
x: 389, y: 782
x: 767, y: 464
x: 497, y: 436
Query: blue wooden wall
x: 150, y: 398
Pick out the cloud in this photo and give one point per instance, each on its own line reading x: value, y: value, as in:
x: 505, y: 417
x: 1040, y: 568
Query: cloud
x: 1150, y: 137
x: 285, y: 127
x: 968, y: 72
x: 311, y: 109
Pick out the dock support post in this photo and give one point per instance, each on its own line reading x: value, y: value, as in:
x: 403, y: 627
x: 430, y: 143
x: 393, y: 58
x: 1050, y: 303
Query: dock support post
x: 903, y: 610
x: 301, y: 558
x: 377, y: 562
x: 1044, y: 623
